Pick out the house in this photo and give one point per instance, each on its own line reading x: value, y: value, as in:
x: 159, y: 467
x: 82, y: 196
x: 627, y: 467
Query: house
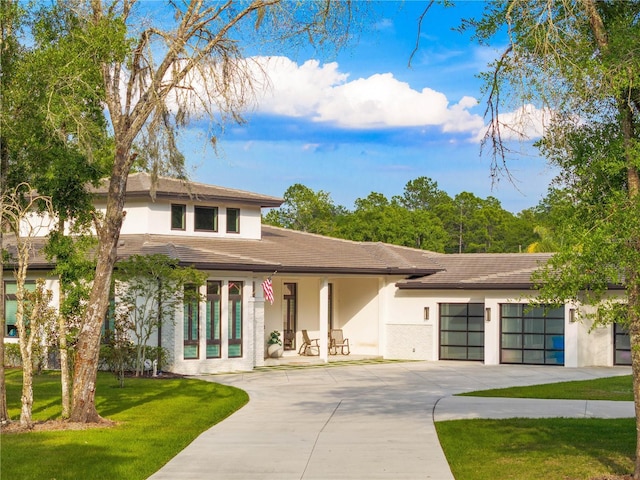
x: 390, y: 301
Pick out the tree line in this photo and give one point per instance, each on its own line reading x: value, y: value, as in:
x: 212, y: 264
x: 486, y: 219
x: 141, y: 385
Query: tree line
x: 425, y: 217
x: 90, y: 88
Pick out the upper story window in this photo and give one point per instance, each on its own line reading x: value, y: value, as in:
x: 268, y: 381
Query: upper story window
x: 178, y: 217
x: 205, y: 219
x: 233, y: 220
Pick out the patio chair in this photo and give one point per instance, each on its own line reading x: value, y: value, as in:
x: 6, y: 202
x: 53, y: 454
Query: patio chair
x: 338, y: 342
x: 308, y: 345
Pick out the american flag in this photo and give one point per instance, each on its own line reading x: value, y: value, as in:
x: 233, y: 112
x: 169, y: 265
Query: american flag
x: 267, y: 288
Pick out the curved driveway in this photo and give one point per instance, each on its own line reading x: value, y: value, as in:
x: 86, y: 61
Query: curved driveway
x: 369, y: 421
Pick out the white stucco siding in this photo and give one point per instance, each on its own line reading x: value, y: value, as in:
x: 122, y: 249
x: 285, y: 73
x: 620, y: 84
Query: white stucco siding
x: 409, y: 342
x: 308, y: 313
x: 407, y: 333
x: 143, y: 217
x: 37, y: 225
x: 147, y: 217
x: 357, y: 313
x: 594, y: 344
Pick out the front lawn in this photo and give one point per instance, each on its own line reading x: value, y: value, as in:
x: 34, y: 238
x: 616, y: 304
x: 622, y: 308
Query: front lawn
x: 610, y: 388
x: 156, y: 419
x: 550, y: 448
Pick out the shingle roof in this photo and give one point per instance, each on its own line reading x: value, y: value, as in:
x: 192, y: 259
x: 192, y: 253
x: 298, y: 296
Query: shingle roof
x: 290, y: 251
x: 285, y: 251
x: 140, y: 185
x: 279, y: 249
x: 480, y: 271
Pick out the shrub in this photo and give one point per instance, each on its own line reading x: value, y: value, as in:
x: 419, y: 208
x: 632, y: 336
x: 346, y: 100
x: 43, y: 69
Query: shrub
x: 12, y: 356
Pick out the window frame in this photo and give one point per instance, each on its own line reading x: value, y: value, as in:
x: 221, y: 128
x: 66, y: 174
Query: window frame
x: 236, y: 216
x: 214, y: 218
x: 290, y: 314
x: 191, y: 316
x: 29, y: 285
x: 235, y: 320
x: 213, y: 332
x: 183, y: 216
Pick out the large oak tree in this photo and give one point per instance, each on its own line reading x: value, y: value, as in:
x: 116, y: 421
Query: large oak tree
x: 160, y: 69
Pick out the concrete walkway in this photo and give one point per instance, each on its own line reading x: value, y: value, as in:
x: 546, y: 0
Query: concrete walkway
x: 365, y: 421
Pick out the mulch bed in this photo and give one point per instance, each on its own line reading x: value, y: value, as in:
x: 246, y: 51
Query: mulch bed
x: 52, y: 425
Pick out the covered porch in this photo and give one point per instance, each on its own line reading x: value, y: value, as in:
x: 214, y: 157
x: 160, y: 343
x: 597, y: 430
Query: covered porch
x: 318, y: 304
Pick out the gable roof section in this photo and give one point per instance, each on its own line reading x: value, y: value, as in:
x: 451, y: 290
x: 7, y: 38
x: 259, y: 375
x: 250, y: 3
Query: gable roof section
x: 140, y: 185
x: 487, y: 271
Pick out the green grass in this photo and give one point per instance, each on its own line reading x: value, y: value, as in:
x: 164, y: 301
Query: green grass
x: 156, y: 418
x: 551, y: 448
x: 527, y: 449
x: 611, y: 388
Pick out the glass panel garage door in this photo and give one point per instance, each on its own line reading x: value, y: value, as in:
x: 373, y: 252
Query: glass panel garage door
x: 462, y: 331
x: 531, y: 335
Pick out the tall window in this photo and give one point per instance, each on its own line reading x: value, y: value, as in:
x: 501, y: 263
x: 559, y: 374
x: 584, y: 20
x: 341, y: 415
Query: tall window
x: 462, y: 331
x: 233, y: 220
x: 531, y: 335
x: 191, y: 322
x: 213, y: 318
x: 109, y: 324
x: 621, y: 345
x: 205, y: 219
x: 178, y: 217
x: 235, y: 319
x: 11, y: 306
x: 289, y: 321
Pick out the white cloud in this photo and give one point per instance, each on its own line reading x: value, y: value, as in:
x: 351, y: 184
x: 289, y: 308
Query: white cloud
x: 525, y: 123
x: 296, y: 90
x: 324, y: 94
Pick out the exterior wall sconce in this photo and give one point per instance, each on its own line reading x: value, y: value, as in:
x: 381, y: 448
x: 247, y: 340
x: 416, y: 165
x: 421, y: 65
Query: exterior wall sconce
x: 426, y: 313
x: 572, y: 315
x: 487, y: 314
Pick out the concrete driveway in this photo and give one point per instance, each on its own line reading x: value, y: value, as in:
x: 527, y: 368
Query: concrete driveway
x: 362, y: 421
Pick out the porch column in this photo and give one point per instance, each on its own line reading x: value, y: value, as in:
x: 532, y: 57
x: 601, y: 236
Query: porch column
x: 258, y: 324
x: 324, y: 319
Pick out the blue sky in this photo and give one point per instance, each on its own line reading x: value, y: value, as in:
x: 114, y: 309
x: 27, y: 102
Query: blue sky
x: 363, y: 121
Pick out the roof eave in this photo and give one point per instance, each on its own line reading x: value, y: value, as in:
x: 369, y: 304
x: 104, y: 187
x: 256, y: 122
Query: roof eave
x: 464, y: 286
x: 292, y: 269
x: 260, y: 202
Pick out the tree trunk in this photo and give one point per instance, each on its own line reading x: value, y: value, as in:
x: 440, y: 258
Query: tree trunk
x: 25, y: 338
x: 626, y: 115
x: 4, y: 163
x: 4, y: 413
x: 88, y: 348
x: 62, y: 346
x: 27, y: 388
x: 64, y: 361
